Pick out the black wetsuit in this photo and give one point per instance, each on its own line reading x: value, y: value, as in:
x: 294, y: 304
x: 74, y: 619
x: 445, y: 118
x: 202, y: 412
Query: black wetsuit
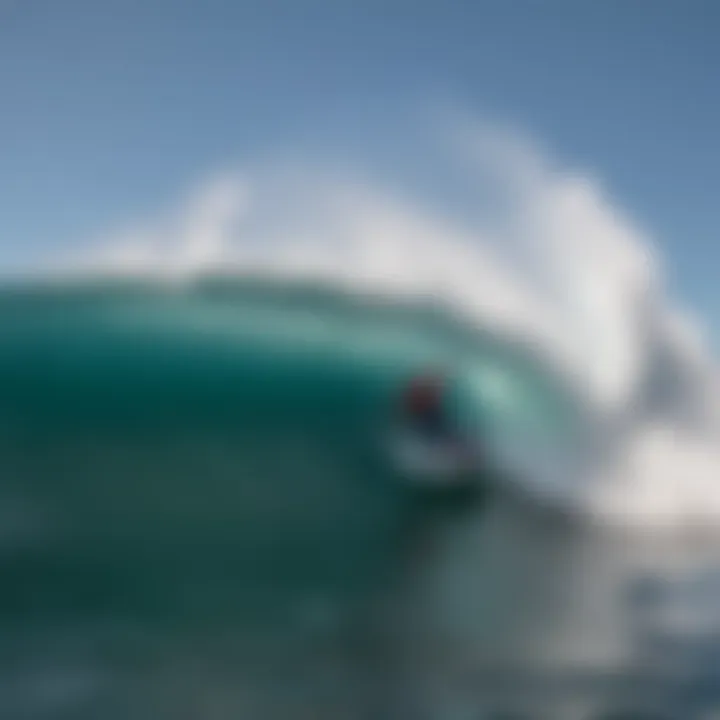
x: 431, y: 423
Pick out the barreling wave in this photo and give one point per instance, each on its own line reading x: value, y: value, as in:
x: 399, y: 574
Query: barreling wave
x: 521, y: 254
x: 229, y: 389
x: 197, y: 426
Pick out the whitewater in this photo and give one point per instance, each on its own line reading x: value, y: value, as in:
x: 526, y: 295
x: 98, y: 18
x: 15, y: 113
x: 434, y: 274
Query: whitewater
x: 196, y: 504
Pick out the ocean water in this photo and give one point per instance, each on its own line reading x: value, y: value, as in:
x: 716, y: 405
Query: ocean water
x: 200, y: 518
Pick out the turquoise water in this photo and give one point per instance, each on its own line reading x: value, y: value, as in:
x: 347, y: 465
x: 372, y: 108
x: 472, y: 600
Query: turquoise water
x: 213, y: 456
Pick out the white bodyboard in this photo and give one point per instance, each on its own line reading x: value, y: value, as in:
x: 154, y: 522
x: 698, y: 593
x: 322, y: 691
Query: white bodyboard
x: 432, y: 463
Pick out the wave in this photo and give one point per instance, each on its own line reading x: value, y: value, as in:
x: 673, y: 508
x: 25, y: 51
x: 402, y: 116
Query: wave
x: 190, y: 411
x: 541, y: 260
x: 214, y: 449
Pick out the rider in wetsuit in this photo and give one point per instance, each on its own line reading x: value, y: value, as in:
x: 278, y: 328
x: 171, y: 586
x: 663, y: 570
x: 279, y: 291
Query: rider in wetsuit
x: 423, y: 407
x: 425, y: 413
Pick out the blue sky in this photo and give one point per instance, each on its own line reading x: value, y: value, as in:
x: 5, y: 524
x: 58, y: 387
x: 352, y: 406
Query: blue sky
x: 110, y: 109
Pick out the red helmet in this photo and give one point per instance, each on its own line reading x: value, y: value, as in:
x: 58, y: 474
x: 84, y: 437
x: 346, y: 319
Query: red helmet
x: 424, y: 392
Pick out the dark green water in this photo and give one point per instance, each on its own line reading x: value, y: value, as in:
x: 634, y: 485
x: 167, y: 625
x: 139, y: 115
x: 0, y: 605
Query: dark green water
x: 209, y: 458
